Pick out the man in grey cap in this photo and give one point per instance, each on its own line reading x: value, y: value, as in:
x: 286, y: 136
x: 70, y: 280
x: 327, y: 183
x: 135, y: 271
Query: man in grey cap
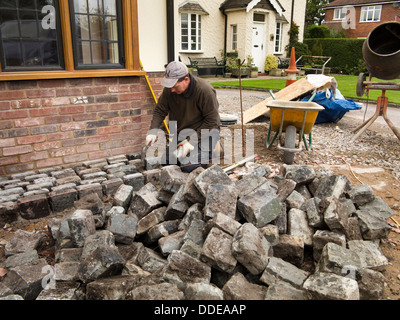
x: 192, y: 106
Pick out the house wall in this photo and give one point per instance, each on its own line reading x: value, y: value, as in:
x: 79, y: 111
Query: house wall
x: 212, y: 30
x: 48, y: 123
x: 153, y: 34
x: 299, y: 13
x: 362, y: 29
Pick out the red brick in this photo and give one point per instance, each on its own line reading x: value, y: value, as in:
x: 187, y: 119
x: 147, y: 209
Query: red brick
x: 61, y: 152
x: 49, y: 163
x: 122, y: 136
x: 42, y: 112
x: 64, y: 92
x: 4, y: 115
x: 87, y: 148
x: 82, y: 82
x: 123, y: 150
x: 98, y: 139
x: 108, y: 130
x: 84, y: 116
x: 58, y: 119
x: 60, y: 136
x: 22, y: 85
x: 92, y: 91
x: 120, y: 106
x: 34, y: 156
x: 129, y: 80
x: 44, y: 129
x: 74, y: 142
x: 5, y: 105
x: 111, y: 144
x: 119, y: 89
x: 131, y: 96
x: 72, y: 110
x: 6, y: 125
x: 4, y: 143
x: 47, y: 145
x: 106, y: 81
x: 6, y: 161
x: 40, y: 93
x: 12, y: 95
x: 72, y: 126
x: 52, y: 83
x: 121, y: 121
x: 76, y: 158
x: 56, y: 102
x: 31, y: 139
x: 108, y: 115
x: 12, y: 151
x: 29, y: 122
x: 97, y: 108
x: 25, y: 104
x: 100, y: 155
x: 131, y: 127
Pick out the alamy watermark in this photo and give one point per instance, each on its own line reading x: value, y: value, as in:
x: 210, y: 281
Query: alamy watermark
x: 49, y: 21
x: 231, y: 142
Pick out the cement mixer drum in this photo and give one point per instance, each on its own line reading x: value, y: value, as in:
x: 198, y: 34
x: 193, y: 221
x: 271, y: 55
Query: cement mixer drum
x: 381, y: 51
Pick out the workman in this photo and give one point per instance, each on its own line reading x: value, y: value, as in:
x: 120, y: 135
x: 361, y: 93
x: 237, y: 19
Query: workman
x: 192, y: 106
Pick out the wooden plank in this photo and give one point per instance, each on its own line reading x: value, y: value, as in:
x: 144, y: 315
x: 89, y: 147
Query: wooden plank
x: 289, y: 93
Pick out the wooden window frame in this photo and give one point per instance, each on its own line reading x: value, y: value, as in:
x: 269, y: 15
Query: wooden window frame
x: 131, y: 48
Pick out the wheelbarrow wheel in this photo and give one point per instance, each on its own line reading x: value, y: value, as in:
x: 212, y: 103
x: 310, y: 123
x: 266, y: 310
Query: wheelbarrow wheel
x: 290, y: 142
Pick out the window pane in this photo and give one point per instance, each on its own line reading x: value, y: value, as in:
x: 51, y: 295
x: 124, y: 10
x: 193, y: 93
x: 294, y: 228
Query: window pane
x: 98, y: 37
x: 82, y: 27
x: 80, y: 6
x: 29, y: 38
x: 96, y: 6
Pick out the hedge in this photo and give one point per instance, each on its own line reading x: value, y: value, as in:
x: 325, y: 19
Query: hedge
x: 346, y: 53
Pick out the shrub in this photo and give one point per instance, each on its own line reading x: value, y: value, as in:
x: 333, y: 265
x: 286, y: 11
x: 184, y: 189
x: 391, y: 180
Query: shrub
x: 315, y: 31
x: 346, y: 53
x: 270, y: 63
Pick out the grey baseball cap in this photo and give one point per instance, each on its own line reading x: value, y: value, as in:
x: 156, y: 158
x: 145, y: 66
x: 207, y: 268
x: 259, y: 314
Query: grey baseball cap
x: 174, y: 71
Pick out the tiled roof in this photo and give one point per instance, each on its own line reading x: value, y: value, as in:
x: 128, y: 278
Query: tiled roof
x: 192, y: 6
x: 339, y: 3
x: 233, y: 4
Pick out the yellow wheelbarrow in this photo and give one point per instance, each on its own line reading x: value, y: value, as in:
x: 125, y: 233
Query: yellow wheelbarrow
x: 292, y: 117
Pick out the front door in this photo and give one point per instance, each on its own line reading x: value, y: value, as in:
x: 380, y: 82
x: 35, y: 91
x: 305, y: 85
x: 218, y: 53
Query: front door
x: 258, y: 51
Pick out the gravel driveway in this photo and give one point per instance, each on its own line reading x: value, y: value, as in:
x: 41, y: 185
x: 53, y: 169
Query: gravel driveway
x: 378, y: 146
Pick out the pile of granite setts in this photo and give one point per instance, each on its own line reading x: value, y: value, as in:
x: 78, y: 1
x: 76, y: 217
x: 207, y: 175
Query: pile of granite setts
x: 165, y: 234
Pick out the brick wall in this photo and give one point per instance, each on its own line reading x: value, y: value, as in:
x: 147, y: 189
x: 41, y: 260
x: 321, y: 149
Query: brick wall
x: 362, y: 29
x: 48, y: 123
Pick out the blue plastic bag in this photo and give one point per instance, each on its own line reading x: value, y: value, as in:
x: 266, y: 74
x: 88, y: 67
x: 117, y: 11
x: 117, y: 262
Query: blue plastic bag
x: 335, y: 109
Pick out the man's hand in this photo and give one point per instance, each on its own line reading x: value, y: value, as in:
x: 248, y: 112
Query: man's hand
x: 151, y: 139
x: 183, y: 149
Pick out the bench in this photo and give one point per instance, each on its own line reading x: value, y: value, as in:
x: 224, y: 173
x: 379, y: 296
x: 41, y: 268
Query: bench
x: 313, y: 64
x: 205, y: 64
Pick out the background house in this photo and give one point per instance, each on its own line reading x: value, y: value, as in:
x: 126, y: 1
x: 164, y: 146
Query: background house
x: 71, y: 84
x: 206, y: 28
x: 357, y: 18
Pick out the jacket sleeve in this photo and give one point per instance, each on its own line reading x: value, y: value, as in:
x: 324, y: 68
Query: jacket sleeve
x: 161, y: 111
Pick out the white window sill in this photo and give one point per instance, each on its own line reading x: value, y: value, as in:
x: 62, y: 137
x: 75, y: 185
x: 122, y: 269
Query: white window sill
x: 191, y: 51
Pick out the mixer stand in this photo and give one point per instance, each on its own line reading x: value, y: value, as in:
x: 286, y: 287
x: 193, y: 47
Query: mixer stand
x: 381, y: 107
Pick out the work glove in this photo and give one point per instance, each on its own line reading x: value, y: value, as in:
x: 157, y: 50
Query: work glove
x: 183, y: 149
x: 151, y: 139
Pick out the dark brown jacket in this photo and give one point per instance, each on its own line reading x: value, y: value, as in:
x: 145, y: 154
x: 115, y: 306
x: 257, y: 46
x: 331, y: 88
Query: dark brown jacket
x: 196, y: 109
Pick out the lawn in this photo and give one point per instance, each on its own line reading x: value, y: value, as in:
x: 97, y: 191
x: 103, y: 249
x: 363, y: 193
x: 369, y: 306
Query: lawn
x: 346, y: 85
